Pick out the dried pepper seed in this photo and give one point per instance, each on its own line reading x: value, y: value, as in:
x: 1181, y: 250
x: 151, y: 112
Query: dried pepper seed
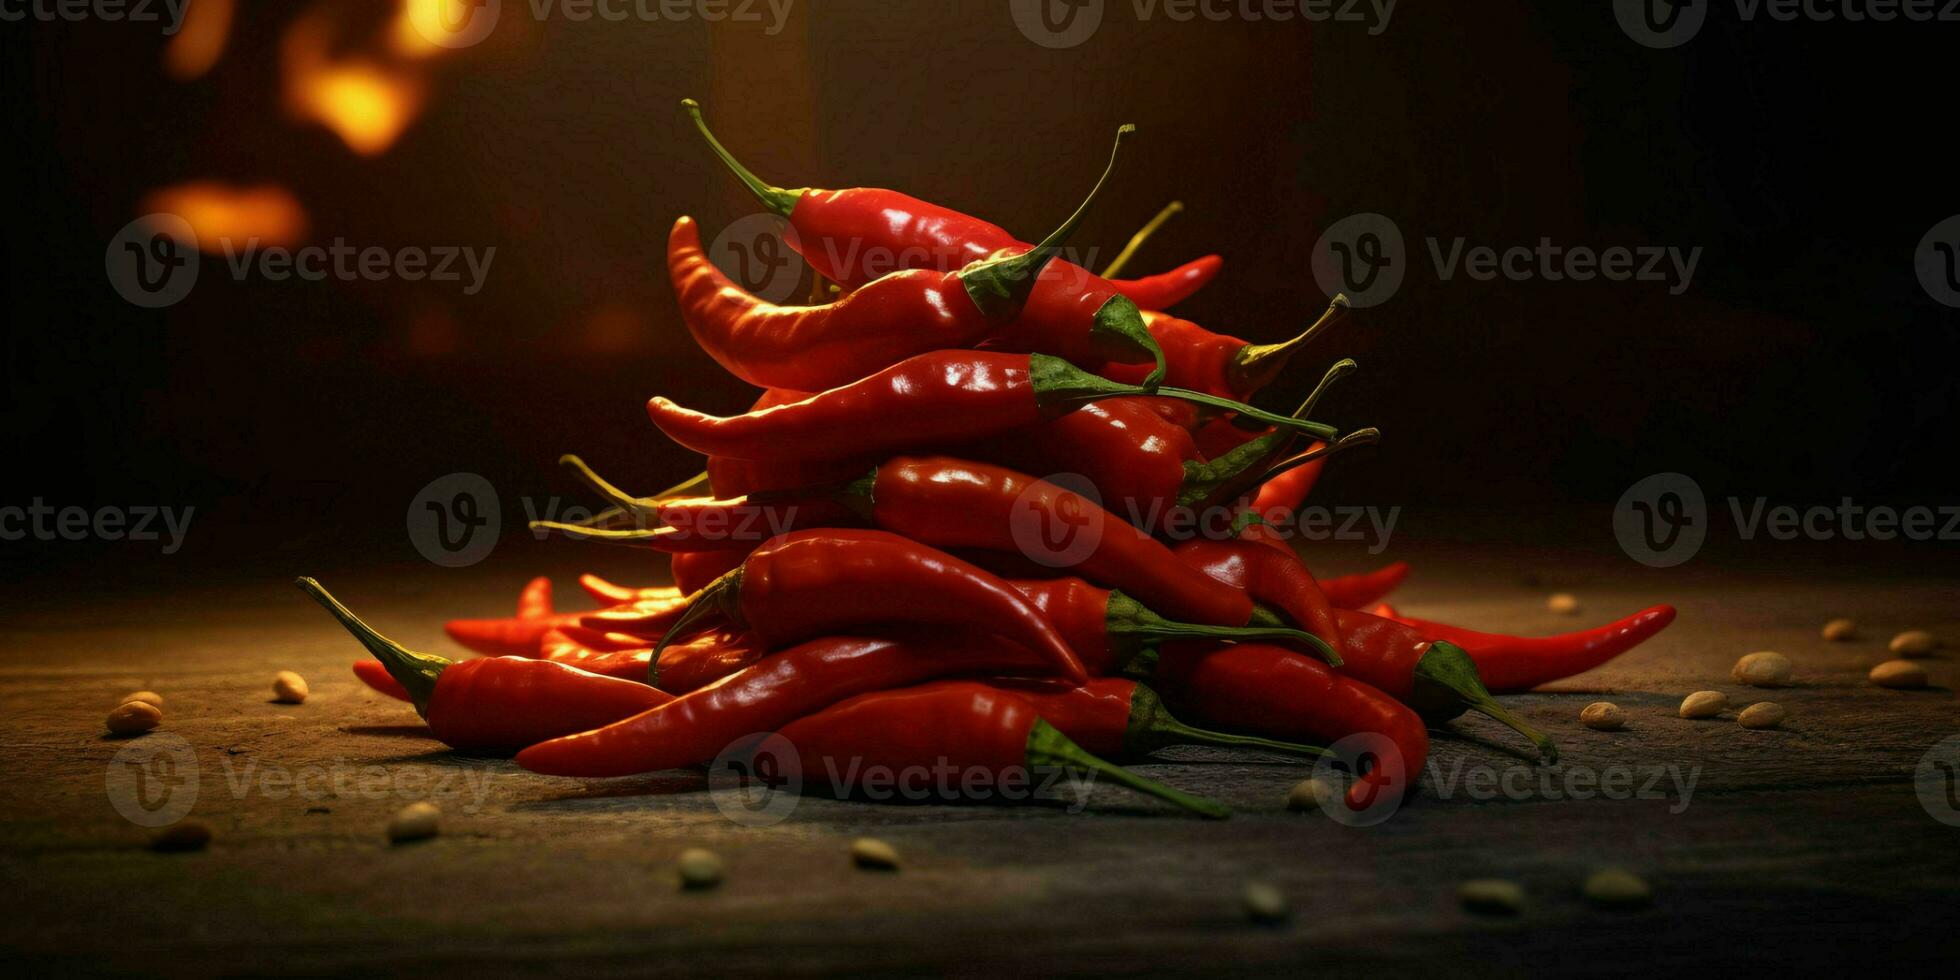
x: 1840, y: 629
x: 874, y: 854
x: 1604, y: 716
x: 415, y: 821
x: 1491, y: 896
x: 134, y: 718
x: 699, y: 868
x: 1264, y: 904
x: 1914, y: 643
x: 1704, y: 704
x: 1899, y: 673
x: 1310, y: 794
x: 147, y: 697
x: 1563, y: 603
x: 288, y: 688
x: 1762, y: 715
x: 1614, y: 888
x: 1765, y: 668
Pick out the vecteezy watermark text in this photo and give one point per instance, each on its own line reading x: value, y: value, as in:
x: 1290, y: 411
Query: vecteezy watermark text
x: 1671, y: 23
x: 43, y: 521
x: 168, y: 12
x: 1067, y: 23
x: 1663, y: 519
x: 1518, y: 783
x: 463, y: 23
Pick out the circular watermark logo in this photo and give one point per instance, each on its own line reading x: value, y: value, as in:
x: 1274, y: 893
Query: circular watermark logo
x: 152, y: 781
x: 1371, y: 760
x: 1057, y: 23
x: 757, y: 780
x: 1937, y: 261
x: 1661, y: 24
x: 1057, y: 530
x: 755, y: 252
x: 454, y: 521
x: 152, y: 261
x: 1363, y: 256
x: 454, y: 23
x: 1937, y: 781
x: 1662, y: 520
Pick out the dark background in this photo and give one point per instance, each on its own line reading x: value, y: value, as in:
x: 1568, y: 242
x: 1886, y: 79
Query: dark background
x: 1807, y: 160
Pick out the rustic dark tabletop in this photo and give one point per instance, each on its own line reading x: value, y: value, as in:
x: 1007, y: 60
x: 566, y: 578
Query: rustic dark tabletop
x: 1809, y: 845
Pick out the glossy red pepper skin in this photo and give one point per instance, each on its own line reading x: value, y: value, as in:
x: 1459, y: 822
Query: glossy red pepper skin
x: 498, y: 704
x: 1356, y: 591
x: 694, y: 571
x: 1512, y: 664
x: 953, y: 503
x: 1118, y: 717
x: 1270, y: 576
x: 1107, y: 628
x: 1194, y: 358
x: 608, y: 594
x: 816, y: 348
x: 775, y: 691
x: 1275, y: 692
x: 376, y: 676
x: 812, y: 583
x: 951, y: 740
x: 1167, y: 289
x: 518, y: 636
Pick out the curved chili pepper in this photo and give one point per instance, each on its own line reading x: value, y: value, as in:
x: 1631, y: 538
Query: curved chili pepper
x: 497, y: 703
x: 1116, y: 716
x: 694, y: 571
x: 1355, y: 591
x: 983, y: 735
x: 809, y: 583
x: 1215, y: 363
x: 517, y: 636
x: 1107, y: 628
x: 928, y: 400
x: 1438, y: 680
x: 1513, y: 664
x: 375, y: 675
x: 775, y: 691
x: 607, y: 594
x: 1167, y: 289
x: 1279, y: 499
x: 1269, y: 576
x: 811, y: 348
x: 1274, y: 692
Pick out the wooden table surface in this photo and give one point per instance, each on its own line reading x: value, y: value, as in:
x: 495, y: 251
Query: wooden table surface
x: 1807, y: 846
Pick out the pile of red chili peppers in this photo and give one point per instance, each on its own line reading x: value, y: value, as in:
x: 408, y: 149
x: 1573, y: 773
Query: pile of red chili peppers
x: 880, y: 562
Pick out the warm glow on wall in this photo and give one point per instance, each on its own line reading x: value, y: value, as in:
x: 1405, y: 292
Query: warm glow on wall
x: 200, y: 41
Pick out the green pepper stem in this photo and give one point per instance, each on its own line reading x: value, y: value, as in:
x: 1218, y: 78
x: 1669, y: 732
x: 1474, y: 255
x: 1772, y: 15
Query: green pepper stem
x: 1153, y: 727
x: 1048, y: 747
x: 1126, y: 617
x: 775, y: 199
x: 721, y: 597
x: 1447, y: 684
x: 589, y: 530
x: 1143, y: 234
x: 1213, y: 481
x: 1359, y: 437
x: 1000, y: 286
x: 1256, y: 365
x: 1060, y: 387
x: 1341, y: 369
x: 416, y: 672
x: 1318, y: 430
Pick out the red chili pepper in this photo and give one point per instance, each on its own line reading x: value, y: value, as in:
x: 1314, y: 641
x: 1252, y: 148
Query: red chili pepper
x: 1355, y: 591
x: 518, y: 636
x: 374, y: 675
x: 1210, y: 362
x: 1107, y: 628
x: 1167, y: 289
x: 1437, y: 679
x: 1116, y: 716
x: 497, y: 703
x: 694, y: 571
x: 853, y: 237
x: 1277, y: 693
x: 811, y: 348
x: 809, y: 583
x: 777, y: 690
x: 975, y: 737
x: 1512, y: 664
x: 926, y: 401
x: 607, y: 594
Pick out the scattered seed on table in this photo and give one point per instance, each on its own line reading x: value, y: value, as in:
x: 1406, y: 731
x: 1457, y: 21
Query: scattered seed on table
x: 1491, y: 896
x: 1764, y: 668
x: 1563, y: 603
x: 134, y: 718
x: 1840, y: 629
x: 184, y: 835
x: 699, y: 867
x: 1263, y: 903
x: 1762, y: 714
x: 147, y: 697
x: 1310, y: 794
x: 1704, y: 704
x: 1899, y: 673
x: 288, y: 687
x: 1614, y: 888
x: 1914, y: 643
x: 874, y: 854
x: 1604, y: 716
x: 415, y: 821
